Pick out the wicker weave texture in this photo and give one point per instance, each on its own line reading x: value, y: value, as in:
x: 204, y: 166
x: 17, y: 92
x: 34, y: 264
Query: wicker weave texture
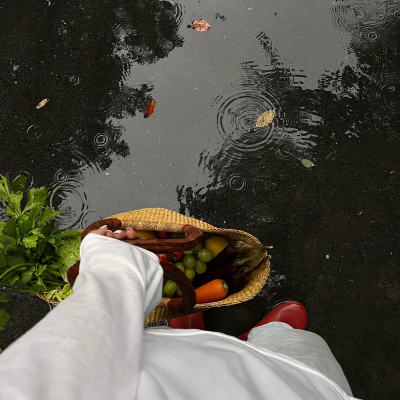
x: 161, y: 219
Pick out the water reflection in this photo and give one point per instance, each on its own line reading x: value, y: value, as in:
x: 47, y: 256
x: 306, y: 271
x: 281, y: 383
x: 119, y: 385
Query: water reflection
x: 368, y: 21
x: 349, y: 127
x: 77, y: 56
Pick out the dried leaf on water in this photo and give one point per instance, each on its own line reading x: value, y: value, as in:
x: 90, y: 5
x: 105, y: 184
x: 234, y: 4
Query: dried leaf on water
x: 265, y: 118
x: 201, y: 25
x: 42, y: 103
x: 307, y: 163
x: 150, y: 108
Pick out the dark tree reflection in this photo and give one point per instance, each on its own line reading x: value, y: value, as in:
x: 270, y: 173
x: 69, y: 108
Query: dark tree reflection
x: 77, y: 55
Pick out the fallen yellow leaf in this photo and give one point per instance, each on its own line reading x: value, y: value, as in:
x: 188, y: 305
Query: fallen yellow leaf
x: 201, y: 25
x: 42, y: 103
x: 265, y: 118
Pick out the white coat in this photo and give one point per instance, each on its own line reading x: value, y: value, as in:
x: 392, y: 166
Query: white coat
x: 93, y: 345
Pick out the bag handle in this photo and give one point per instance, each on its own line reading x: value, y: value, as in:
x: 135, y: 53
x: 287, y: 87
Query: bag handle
x: 193, y: 236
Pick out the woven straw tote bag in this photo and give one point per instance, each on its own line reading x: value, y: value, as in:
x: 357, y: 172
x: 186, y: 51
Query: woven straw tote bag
x: 161, y: 219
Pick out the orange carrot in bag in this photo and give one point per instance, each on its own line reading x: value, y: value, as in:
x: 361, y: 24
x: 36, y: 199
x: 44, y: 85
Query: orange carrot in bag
x: 211, y: 291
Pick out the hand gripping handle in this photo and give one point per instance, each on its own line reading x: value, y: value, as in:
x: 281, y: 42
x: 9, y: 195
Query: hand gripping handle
x: 193, y: 237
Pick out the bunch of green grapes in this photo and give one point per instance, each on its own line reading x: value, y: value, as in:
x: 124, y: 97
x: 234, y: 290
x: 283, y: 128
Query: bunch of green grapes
x: 194, y: 262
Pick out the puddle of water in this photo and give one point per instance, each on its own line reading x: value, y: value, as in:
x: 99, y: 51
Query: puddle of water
x: 330, y: 70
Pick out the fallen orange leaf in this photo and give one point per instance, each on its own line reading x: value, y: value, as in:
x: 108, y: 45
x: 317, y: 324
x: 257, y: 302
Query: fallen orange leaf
x: 42, y: 103
x: 150, y: 108
x: 201, y: 25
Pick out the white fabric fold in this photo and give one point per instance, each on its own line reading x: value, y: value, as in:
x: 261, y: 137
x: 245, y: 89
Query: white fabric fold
x: 93, y: 345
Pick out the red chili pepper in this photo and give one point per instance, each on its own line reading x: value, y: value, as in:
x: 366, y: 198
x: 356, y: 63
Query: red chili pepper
x: 162, y: 234
x: 177, y: 255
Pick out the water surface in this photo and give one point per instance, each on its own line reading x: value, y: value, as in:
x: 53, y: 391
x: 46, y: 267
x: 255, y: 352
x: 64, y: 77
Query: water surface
x: 330, y: 70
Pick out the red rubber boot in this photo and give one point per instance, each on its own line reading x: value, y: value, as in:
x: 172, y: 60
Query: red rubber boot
x: 192, y: 321
x: 290, y: 312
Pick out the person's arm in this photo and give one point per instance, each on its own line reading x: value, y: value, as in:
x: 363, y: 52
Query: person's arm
x: 89, y: 346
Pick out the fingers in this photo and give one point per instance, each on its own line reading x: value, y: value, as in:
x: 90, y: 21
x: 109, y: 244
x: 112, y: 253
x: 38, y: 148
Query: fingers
x: 101, y: 231
x: 120, y: 235
x: 131, y: 234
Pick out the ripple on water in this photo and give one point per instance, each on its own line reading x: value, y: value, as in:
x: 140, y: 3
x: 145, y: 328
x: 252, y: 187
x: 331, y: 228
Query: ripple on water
x: 179, y: 12
x: 286, y: 150
x: 385, y: 93
x: 101, y: 139
x: 237, y: 114
x: 237, y: 182
x: 74, y: 80
x: 68, y: 196
x: 34, y: 132
x: 89, y: 218
x: 354, y: 16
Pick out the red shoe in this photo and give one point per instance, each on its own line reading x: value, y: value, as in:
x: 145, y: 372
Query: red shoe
x: 289, y: 311
x: 192, y: 321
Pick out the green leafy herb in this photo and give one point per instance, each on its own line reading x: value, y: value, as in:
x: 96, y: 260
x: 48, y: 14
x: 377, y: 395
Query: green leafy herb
x: 34, y: 255
x: 67, y: 250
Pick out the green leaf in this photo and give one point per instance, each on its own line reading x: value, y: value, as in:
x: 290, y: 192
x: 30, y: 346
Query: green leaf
x: 48, y: 229
x: 33, y: 216
x: 9, y: 228
x: 25, y: 277
x: 9, y: 211
x: 67, y: 251
x: 63, y: 271
x: 5, y: 298
x: 18, y: 184
x: 14, y: 202
x: 37, y: 198
x: 16, y: 256
x: 67, y: 232
x: 58, y: 296
x: 47, y: 215
x: 3, y: 260
x: 40, y: 270
x: 66, y: 288
x: 50, y: 294
x: 36, y: 289
x: 49, y: 252
x: 2, y: 226
x: 5, y: 183
x: 4, y: 239
x: 30, y: 241
x: 13, y: 279
x: 40, y: 282
x: 307, y: 163
x: 4, y: 317
x: 23, y: 224
x: 38, y: 232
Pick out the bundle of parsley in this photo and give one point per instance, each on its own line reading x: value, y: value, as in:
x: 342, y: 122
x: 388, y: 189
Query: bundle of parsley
x: 34, y: 254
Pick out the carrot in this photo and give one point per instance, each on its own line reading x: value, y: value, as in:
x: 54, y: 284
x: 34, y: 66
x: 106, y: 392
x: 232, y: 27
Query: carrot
x: 211, y: 291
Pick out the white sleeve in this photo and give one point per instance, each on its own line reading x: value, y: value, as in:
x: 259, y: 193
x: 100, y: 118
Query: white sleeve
x: 90, y: 345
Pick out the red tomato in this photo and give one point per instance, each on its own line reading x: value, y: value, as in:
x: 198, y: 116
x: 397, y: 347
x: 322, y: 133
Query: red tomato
x: 163, y: 257
x: 178, y: 255
x: 164, y: 279
x: 162, y: 234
